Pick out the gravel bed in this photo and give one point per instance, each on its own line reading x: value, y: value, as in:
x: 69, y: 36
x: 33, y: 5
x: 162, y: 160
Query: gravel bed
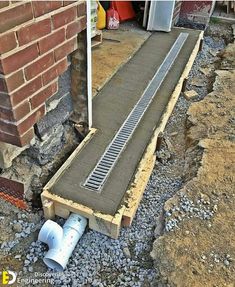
x: 22, y: 227
x: 100, y: 261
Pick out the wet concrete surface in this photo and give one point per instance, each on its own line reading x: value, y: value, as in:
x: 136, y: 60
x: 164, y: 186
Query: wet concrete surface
x: 117, y: 47
x: 110, y: 108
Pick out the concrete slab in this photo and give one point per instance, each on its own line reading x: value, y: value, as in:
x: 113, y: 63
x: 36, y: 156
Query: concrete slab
x: 117, y: 48
x: 125, y: 88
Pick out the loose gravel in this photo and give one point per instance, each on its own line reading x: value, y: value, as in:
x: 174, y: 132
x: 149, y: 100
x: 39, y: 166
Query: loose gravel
x: 22, y: 228
x: 100, y: 261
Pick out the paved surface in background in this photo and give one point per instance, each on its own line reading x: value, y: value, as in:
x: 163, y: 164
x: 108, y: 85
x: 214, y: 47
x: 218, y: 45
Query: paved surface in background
x: 111, y: 107
x: 117, y: 48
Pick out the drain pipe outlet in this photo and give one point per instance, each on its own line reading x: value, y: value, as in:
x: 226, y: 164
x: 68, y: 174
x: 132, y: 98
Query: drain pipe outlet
x: 61, y: 241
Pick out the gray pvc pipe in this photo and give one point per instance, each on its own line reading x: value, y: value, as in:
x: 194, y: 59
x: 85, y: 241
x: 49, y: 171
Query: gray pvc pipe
x: 61, y: 241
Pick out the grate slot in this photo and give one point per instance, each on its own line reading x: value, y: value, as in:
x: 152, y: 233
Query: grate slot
x: 95, y: 182
x: 106, y: 162
x: 101, y: 171
x: 114, y: 150
x: 92, y: 186
x: 111, y: 157
x: 99, y: 176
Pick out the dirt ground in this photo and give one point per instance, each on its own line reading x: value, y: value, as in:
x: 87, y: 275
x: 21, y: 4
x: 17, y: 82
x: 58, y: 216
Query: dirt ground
x: 198, y: 247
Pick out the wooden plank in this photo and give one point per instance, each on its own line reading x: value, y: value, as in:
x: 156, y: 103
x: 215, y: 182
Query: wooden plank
x: 97, y: 39
x: 107, y: 224
x: 67, y: 204
x: 48, y: 208
x: 103, y: 223
x: 138, y: 187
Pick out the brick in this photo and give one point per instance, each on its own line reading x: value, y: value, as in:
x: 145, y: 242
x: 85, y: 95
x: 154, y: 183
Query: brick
x: 1, y: 67
x: 66, y: 49
x: 39, y: 66
x: 31, y: 120
x: 55, y: 72
x: 17, y: 140
x: 41, y: 97
x: 26, y: 91
x: 51, y: 41
x: 5, y: 100
x: 7, y: 42
x: 16, y: 114
x: 43, y: 7
x: 6, y: 114
x: 14, y: 81
x: 75, y: 27
x: 15, y: 16
x: 21, y: 111
x: 81, y: 9
x: 20, y: 129
x: 3, y: 85
x: 64, y: 17
x: 4, y: 4
x: 65, y: 3
x: 34, y: 31
x: 19, y: 59
x: 8, y: 127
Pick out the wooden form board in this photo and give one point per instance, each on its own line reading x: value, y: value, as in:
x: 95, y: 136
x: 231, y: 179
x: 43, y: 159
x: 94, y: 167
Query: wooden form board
x: 97, y: 39
x: 104, y: 223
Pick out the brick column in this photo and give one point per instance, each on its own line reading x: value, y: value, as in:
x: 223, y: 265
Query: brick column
x: 36, y: 38
x: 196, y: 11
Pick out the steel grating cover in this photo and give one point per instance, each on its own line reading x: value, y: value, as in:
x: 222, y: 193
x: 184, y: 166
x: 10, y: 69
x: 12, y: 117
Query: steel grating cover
x: 103, y: 168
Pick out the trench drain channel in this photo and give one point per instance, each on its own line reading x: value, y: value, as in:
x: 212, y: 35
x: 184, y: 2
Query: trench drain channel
x: 101, y: 171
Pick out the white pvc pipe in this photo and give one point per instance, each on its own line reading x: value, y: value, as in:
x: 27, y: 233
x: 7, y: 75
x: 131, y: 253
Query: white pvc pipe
x: 61, y: 241
x: 89, y: 63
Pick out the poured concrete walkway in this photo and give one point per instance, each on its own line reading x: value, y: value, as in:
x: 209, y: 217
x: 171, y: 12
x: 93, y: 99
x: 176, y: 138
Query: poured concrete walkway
x: 110, y: 108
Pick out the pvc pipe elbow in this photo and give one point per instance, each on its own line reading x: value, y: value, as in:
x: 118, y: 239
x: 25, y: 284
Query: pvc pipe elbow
x: 61, y: 241
x: 51, y: 233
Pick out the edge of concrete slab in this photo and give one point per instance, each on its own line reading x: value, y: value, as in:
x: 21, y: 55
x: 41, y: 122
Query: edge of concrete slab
x: 104, y: 223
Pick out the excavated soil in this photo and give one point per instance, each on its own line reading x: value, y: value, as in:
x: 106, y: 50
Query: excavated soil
x: 197, y: 247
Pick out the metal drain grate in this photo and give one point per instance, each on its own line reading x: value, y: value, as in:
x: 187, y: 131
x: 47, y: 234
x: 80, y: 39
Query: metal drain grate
x: 99, y: 174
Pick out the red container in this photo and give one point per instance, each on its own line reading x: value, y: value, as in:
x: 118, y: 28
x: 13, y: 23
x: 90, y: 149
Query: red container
x: 112, y: 18
x: 124, y: 9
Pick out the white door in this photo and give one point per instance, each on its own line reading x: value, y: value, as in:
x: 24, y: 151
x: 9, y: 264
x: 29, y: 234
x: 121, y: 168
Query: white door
x: 160, y: 15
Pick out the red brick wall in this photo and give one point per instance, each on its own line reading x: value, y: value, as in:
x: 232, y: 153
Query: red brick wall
x: 35, y: 39
x: 196, y: 11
